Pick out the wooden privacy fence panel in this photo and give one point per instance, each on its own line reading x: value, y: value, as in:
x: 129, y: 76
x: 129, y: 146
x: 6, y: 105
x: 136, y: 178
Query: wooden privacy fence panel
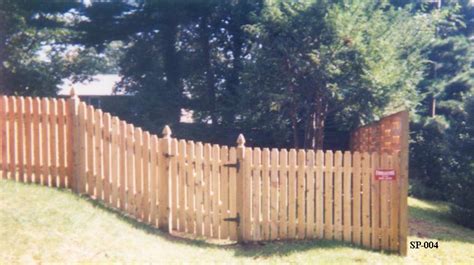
x: 389, y: 134
x: 384, y: 135
x: 211, y: 191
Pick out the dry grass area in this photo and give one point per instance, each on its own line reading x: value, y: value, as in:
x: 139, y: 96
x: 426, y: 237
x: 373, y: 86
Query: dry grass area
x: 43, y: 225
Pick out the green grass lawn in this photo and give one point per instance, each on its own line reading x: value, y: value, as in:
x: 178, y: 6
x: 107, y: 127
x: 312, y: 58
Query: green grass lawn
x: 39, y: 224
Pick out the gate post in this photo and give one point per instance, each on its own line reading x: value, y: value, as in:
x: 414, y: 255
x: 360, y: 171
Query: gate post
x: 73, y: 155
x: 404, y: 141
x: 242, y: 191
x: 164, y: 176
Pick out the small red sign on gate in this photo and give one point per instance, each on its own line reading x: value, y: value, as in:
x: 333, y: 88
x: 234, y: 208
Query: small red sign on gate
x: 384, y: 174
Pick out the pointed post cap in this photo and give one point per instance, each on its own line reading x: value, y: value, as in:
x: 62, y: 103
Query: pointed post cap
x: 72, y: 92
x: 241, y: 140
x: 166, y: 132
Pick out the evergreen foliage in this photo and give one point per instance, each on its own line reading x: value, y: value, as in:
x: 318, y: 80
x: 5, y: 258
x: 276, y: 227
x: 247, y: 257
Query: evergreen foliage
x: 282, y: 72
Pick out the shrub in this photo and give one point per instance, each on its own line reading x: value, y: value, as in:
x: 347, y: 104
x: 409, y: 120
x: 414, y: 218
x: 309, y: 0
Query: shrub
x: 429, y: 158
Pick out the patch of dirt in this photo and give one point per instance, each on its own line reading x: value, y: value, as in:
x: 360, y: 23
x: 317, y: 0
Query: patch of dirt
x: 424, y: 229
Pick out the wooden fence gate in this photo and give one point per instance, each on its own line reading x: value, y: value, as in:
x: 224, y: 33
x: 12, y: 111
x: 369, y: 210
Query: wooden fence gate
x: 211, y: 191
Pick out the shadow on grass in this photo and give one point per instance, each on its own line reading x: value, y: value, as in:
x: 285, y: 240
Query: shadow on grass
x: 260, y: 249
x: 435, y: 223
x: 254, y: 250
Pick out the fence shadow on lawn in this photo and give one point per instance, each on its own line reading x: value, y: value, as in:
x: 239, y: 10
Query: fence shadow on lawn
x: 257, y: 249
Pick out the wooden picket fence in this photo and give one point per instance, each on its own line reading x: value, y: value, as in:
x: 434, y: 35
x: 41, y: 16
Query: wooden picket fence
x: 235, y: 193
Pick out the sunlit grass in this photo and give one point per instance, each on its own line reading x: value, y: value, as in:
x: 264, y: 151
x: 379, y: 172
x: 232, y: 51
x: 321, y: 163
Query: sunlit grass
x: 39, y: 224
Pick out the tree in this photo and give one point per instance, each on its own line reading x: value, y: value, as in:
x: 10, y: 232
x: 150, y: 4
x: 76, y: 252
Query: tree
x: 314, y: 59
x: 34, y: 47
x: 180, y: 54
x: 446, y: 85
x: 461, y: 169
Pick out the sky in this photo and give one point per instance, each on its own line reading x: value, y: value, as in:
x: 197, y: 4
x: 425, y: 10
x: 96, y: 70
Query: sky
x: 101, y: 85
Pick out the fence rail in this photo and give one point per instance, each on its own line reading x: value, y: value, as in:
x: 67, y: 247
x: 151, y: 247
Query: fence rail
x: 236, y: 193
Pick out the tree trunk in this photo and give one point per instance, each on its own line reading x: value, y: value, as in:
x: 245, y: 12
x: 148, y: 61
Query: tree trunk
x: 210, y: 82
x: 433, y: 106
x: 172, y: 69
x: 318, y: 123
x: 233, y: 81
x: 3, y: 81
x: 294, y: 125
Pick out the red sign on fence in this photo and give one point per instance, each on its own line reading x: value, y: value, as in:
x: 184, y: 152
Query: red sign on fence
x: 384, y: 174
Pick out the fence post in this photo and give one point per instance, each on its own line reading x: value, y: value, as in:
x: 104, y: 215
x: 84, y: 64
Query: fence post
x: 73, y: 141
x: 164, y: 180
x: 242, y: 192
x: 404, y: 140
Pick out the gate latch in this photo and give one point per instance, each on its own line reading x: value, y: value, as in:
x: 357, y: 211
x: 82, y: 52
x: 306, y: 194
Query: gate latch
x: 233, y: 219
x: 236, y: 165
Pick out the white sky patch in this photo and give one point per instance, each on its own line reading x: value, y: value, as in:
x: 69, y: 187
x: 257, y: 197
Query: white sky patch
x: 101, y: 85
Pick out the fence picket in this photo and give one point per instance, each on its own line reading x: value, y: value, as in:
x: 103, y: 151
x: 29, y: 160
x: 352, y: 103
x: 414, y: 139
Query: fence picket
x: 20, y: 138
x: 319, y: 193
x: 347, y: 197
x: 310, y: 169
x: 123, y: 164
x: 11, y: 138
x: 154, y: 180
x: 61, y: 142
x: 182, y: 185
x: 232, y: 193
x: 4, y: 135
x: 91, y: 151
x: 394, y: 205
x: 274, y: 194
x: 81, y: 170
x: 266, y: 194
x: 247, y: 199
x: 300, y: 189
x: 45, y: 141
x: 214, y: 195
x: 130, y: 177
x: 53, y: 141
x: 146, y: 177
x: 292, y: 195
x: 107, y: 158
x: 224, y: 193
x: 366, y: 199
x: 280, y: 193
x: 98, y: 155
x: 328, y: 196
x: 115, y: 162
x: 174, y: 183
x: 356, y: 192
x: 256, y: 192
x: 384, y: 210
x: 195, y: 189
x: 137, y: 210
x: 36, y: 139
x: 190, y: 192
x: 28, y: 141
x: 338, y: 195
x: 375, y: 202
x: 207, y: 190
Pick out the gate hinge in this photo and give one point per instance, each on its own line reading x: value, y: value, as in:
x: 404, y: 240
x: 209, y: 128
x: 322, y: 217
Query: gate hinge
x: 233, y: 219
x: 236, y: 165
